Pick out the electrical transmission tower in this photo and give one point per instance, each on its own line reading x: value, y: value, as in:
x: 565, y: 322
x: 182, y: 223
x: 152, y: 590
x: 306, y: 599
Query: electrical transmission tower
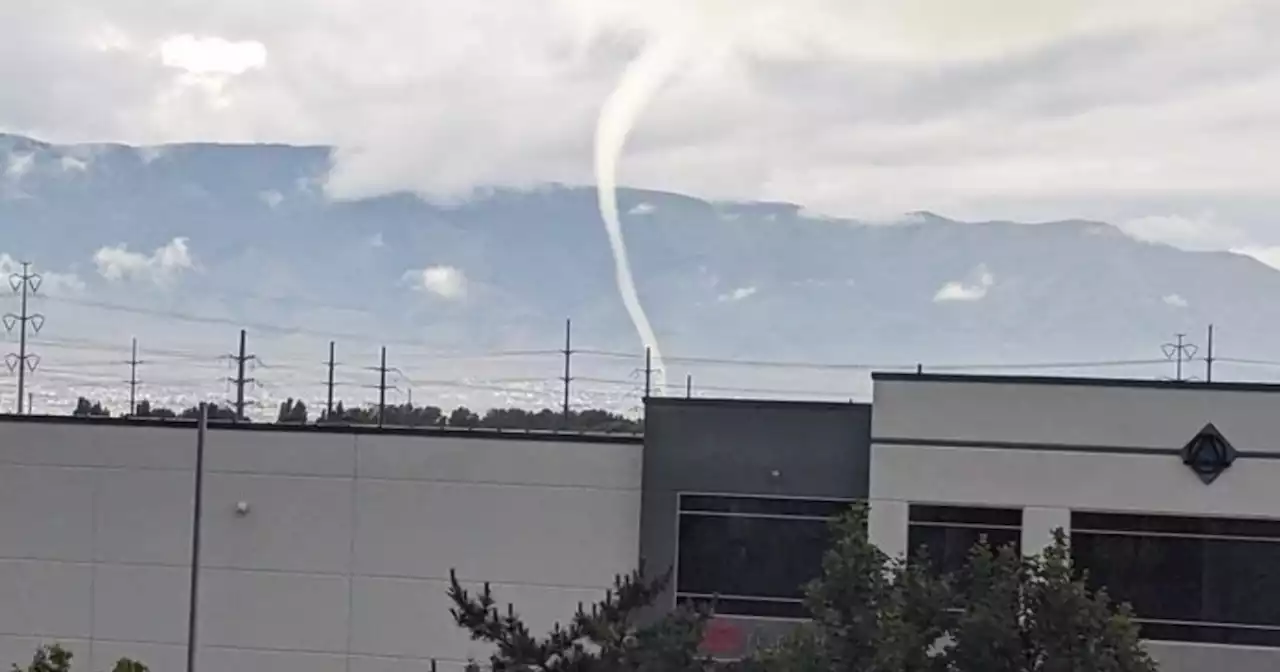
x: 1180, y: 352
x: 27, y: 284
x: 133, y: 379
x: 242, y: 360
x: 382, y: 386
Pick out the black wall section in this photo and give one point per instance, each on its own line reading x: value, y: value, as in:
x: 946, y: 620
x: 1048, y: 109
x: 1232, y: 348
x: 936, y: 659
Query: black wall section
x: 757, y: 448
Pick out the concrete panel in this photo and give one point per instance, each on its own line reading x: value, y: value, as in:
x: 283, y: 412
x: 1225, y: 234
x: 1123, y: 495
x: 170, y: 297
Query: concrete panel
x: 500, y: 460
x: 294, y: 523
x: 46, y: 512
x: 405, y: 618
x: 19, y: 650
x: 144, y: 516
x: 511, y: 534
x: 1180, y: 657
x: 1156, y: 417
x: 409, y: 618
x: 47, y: 444
x: 140, y: 603
x: 158, y: 657
x: 1115, y: 482
x: 45, y: 599
x: 302, y: 453
x: 1039, y: 525
x: 215, y: 659
x: 888, y: 524
x: 273, y: 610
x: 88, y: 445
x: 144, y: 447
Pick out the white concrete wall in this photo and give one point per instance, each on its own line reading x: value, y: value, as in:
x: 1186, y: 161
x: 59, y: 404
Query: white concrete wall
x: 964, y: 456
x: 341, y: 563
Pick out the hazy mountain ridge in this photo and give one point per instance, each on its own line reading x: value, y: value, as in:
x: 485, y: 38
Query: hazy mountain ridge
x: 752, y: 280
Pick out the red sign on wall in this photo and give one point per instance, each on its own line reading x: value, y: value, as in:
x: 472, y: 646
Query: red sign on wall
x: 722, y: 638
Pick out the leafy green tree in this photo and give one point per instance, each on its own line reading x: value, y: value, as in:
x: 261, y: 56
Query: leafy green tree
x: 85, y: 409
x: 1000, y: 613
x: 609, y: 638
x: 1036, y: 613
x: 54, y: 658
x: 146, y: 410
x: 463, y: 417
x: 294, y: 412
x: 869, y: 612
x: 215, y: 412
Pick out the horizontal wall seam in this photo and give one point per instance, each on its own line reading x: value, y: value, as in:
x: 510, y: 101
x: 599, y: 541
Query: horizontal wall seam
x: 311, y: 574
x: 1052, y: 447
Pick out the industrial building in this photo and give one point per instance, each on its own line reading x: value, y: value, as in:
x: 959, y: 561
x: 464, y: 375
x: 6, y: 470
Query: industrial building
x: 330, y: 548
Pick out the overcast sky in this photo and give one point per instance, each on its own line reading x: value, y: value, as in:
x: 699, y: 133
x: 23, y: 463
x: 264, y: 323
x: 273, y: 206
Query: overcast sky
x: 1157, y: 115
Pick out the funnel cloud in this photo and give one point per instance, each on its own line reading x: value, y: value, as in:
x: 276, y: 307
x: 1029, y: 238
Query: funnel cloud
x: 641, y: 80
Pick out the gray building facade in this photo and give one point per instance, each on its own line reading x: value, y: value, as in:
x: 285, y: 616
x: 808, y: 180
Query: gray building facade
x: 736, y: 497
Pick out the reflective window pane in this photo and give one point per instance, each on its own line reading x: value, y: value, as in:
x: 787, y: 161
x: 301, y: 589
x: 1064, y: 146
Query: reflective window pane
x: 947, y: 548
x: 749, y: 557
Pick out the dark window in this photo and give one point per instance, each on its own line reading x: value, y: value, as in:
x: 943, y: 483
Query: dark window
x: 946, y: 535
x: 754, y: 556
x: 1207, y: 582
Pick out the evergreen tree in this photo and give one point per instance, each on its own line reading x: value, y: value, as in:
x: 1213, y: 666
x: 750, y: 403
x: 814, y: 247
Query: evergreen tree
x: 608, y: 638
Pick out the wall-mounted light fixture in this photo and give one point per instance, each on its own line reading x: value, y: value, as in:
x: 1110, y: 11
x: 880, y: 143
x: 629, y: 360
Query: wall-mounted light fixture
x: 242, y: 509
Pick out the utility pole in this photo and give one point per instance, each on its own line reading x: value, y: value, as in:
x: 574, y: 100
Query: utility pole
x: 332, y: 364
x: 382, y: 388
x: 1179, y: 352
x: 197, y: 518
x: 382, y: 385
x: 241, y: 359
x: 568, y: 355
x: 133, y: 379
x: 688, y: 386
x: 648, y: 372
x: 27, y: 284
x: 1208, y: 359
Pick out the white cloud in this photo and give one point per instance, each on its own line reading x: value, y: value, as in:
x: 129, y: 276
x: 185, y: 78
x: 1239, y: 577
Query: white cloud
x: 376, y: 240
x: 642, y: 209
x: 51, y: 282
x: 72, y: 164
x: 272, y: 198
x: 737, y: 295
x: 970, y: 290
x: 212, y: 55
x: 446, y: 282
x: 1204, y: 232
x: 18, y: 165
x: 1175, y: 300
x: 1267, y: 255
x: 855, y: 108
x: 165, y: 264
x: 152, y: 153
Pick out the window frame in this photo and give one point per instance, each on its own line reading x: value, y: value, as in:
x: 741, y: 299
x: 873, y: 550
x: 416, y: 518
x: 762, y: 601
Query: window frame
x: 677, y: 596
x: 1162, y: 525
x: 931, y: 512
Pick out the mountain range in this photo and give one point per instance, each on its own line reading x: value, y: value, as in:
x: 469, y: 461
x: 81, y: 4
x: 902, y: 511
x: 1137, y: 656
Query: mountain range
x: 248, y: 233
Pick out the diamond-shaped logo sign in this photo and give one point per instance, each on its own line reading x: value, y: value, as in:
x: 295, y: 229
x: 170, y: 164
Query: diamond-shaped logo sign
x: 1209, y: 454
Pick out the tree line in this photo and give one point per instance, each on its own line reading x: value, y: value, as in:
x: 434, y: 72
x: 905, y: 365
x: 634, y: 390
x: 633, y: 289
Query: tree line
x: 1000, y: 612
x: 293, y: 411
